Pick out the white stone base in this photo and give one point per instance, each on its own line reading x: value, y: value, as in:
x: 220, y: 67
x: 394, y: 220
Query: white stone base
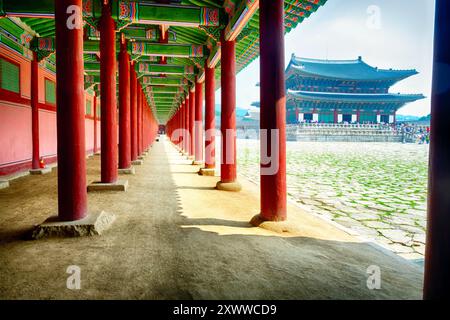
x: 119, y: 185
x: 41, y: 171
x: 137, y: 162
x: 4, y: 184
x: 207, y: 172
x: 129, y: 170
x: 93, y: 224
x: 229, y: 186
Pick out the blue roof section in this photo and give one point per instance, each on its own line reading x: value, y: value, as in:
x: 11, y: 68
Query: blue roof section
x: 355, y: 97
x: 344, y: 69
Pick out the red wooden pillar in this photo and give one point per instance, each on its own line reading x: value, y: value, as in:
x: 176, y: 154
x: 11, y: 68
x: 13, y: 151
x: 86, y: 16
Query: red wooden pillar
x: 210, y: 118
x: 182, y: 123
x: 72, y: 195
x: 95, y: 123
x: 109, y: 160
x: 180, y: 126
x: 124, y: 107
x: 273, y: 110
x: 198, y: 125
x: 142, y: 121
x: 187, y: 139
x: 133, y: 109
x: 191, y: 122
x: 228, y: 179
x: 437, y: 253
x: 35, y: 110
x: 139, y: 118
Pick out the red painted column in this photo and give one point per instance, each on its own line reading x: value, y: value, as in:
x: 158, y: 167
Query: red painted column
x: 187, y: 139
x: 198, y: 125
x: 273, y: 109
x: 228, y: 115
x: 180, y: 125
x: 108, y: 121
x: 210, y: 118
x: 139, y: 118
x: 72, y: 195
x: 437, y: 253
x: 191, y: 122
x: 142, y: 120
x: 35, y: 111
x: 95, y: 123
x: 124, y: 107
x: 133, y: 109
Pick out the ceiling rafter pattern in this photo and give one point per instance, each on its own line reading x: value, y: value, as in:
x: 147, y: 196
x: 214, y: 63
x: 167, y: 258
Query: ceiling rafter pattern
x: 166, y: 69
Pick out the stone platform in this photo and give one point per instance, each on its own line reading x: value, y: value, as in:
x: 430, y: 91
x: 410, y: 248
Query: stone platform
x: 4, y: 184
x: 131, y: 170
x: 119, y: 185
x: 138, y: 162
x: 229, y: 186
x: 40, y: 171
x: 207, y: 172
x: 93, y: 224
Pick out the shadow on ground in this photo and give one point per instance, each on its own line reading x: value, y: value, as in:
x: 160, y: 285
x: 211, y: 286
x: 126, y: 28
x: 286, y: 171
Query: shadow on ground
x: 160, y: 247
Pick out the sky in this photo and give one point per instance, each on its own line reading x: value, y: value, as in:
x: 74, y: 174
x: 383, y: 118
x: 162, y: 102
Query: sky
x: 387, y: 34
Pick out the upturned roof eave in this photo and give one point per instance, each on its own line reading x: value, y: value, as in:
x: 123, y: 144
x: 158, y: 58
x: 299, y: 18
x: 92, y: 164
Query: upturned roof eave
x: 396, y: 77
x: 356, y: 98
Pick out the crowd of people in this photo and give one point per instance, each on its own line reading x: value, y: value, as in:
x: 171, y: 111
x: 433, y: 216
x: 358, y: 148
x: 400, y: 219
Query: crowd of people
x: 411, y: 132
x: 419, y: 133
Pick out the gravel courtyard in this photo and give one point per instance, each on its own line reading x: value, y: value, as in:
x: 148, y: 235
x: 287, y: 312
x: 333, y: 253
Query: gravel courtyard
x: 376, y: 189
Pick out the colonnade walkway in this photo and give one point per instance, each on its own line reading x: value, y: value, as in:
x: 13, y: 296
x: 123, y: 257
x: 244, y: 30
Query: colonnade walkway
x: 176, y: 237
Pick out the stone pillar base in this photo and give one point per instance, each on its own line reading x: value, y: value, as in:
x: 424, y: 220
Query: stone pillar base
x: 141, y: 157
x: 4, y: 184
x: 229, y: 186
x: 119, y: 185
x: 97, y: 154
x: 207, y: 172
x: 129, y: 170
x: 137, y: 162
x: 197, y: 163
x: 93, y: 224
x: 276, y: 226
x: 41, y: 171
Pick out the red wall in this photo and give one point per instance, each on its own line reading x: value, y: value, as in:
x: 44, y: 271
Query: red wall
x: 15, y: 121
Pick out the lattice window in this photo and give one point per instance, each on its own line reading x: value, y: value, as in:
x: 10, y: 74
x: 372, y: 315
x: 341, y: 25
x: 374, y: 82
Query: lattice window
x: 50, y: 92
x: 9, y: 76
x: 88, y: 107
x: 98, y: 109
